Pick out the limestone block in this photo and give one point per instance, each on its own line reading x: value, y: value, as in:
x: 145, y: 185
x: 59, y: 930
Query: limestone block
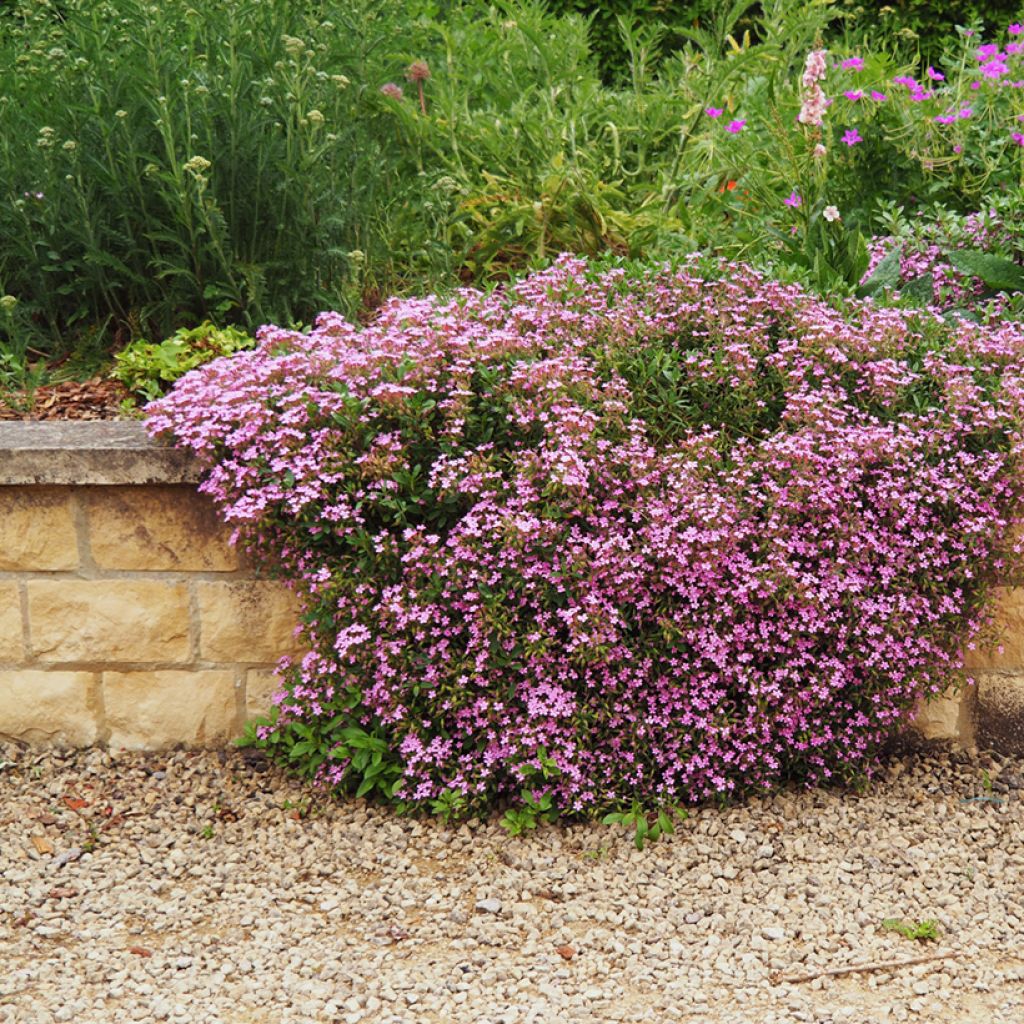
x: 37, y: 530
x: 1010, y: 619
x: 246, y: 621
x: 1000, y: 711
x: 11, y: 648
x: 946, y: 717
x: 48, y: 707
x: 151, y: 710
x: 109, y: 621
x: 260, y: 686
x: 157, y: 529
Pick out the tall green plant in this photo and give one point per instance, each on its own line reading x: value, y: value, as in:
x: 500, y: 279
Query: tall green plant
x: 169, y: 163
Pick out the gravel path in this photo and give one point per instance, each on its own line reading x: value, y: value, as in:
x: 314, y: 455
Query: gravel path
x: 189, y: 887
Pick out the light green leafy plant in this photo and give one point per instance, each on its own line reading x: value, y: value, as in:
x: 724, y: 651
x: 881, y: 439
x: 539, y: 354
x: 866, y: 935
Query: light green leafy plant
x: 920, y: 931
x: 148, y: 369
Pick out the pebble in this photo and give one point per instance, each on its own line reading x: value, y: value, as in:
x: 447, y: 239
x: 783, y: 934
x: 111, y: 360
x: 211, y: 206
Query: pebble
x: 175, y: 912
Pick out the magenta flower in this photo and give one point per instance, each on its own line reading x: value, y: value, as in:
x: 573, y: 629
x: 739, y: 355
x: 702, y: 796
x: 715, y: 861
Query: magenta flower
x: 735, y: 127
x: 794, y: 199
x: 852, y: 64
x: 965, y: 112
x: 714, y: 111
x: 995, y: 69
x: 854, y: 94
x: 944, y: 118
x: 878, y: 97
x: 852, y: 137
x: 1016, y: 29
x: 987, y: 51
x: 935, y: 76
x: 1018, y: 137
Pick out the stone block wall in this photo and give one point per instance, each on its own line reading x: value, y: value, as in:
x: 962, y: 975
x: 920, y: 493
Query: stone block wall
x: 126, y: 618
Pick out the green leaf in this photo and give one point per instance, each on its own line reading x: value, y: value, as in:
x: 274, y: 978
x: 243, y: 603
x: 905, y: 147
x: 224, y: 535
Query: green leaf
x: 885, y: 275
x: 997, y: 272
x: 919, y: 289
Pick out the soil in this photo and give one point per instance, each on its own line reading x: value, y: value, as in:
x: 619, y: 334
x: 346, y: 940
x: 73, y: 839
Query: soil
x: 99, y: 398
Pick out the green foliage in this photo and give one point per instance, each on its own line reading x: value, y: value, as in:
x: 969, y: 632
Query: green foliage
x: 921, y: 931
x: 646, y: 826
x: 613, y: 24
x: 149, y: 370
x: 996, y: 272
x: 372, y: 770
x: 168, y: 163
x: 923, y: 25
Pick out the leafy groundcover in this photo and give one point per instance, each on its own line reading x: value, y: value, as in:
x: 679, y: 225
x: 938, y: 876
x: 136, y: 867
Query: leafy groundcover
x: 617, y: 536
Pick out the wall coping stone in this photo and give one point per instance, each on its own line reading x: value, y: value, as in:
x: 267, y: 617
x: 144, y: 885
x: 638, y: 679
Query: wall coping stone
x: 72, y: 452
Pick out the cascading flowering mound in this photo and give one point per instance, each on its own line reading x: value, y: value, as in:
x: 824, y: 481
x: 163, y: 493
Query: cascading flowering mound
x: 648, y: 534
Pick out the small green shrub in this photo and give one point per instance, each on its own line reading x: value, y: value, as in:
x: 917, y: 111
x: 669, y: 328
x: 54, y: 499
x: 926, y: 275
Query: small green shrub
x: 920, y: 931
x: 148, y: 370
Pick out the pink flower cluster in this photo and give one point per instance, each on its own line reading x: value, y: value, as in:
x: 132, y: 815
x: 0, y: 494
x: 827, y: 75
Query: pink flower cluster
x: 926, y: 253
x: 684, y: 534
x: 815, y: 103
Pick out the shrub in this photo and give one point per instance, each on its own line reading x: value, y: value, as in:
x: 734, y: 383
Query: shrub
x: 612, y: 536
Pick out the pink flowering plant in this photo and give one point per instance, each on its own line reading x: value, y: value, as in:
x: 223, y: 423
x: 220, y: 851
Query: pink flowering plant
x: 969, y: 265
x: 613, y: 538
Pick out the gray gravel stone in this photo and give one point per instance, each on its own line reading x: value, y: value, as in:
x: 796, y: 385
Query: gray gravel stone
x: 200, y: 897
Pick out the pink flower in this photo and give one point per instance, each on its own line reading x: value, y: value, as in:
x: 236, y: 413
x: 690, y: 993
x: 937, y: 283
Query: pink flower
x: 995, y: 69
x: 392, y: 91
x: 714, y: 111
x: 854, y: 94
x: 794, y: 199
x: 987, y: 51
x: 852, y: 64
x: 935, y: 76
x: 1018, y: 137
x: 1016, y: 29
x: 814, y: 68
x: 852, y: 137
x: 964, y: 113
x: 735, y: 127
x: 878, y: 97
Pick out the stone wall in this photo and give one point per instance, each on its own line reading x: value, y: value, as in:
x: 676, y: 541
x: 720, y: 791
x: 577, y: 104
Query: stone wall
x: 126, y: 618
